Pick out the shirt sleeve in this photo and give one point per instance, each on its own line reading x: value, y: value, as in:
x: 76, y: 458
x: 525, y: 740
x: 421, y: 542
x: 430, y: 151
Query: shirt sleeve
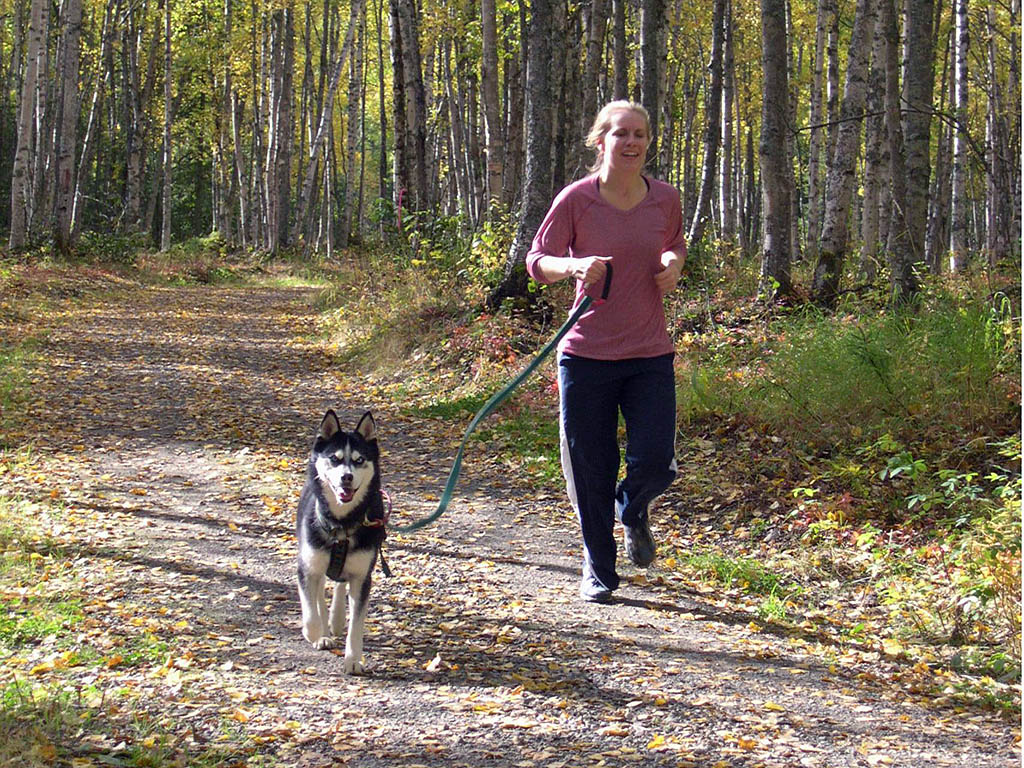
x: 554, y: 236
x: 675, y: 239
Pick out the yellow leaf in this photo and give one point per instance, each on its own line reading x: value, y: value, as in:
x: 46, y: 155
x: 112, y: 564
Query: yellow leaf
x: 657, y: 741
x: 45, y: 666
x: 743, y: 743
x: 771, y: 706
x: 240, y: 715
x: 114, y: 660
x: 139, y: 491
x: 614, y: 730
x: 47, y: 751
x: 892, y: 646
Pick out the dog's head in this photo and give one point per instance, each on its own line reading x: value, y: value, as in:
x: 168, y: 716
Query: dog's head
x: 346, y: 462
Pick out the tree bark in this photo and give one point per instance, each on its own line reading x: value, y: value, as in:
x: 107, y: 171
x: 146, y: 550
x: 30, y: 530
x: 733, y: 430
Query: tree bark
x: 349, y: 216
x: 493, y: 122
x: 316, y: 149
x: 712, y: 132
x: 619, y: 53
x: 776, y: 248
x: 71, y: 106
x: 22, y: 186
x: 537, y: 192
x: 959, y: 214
x: 903, y: 279
x: 918, y: 83
x: 653, y: 55
x: 727, y: 203
x: 843, y: 168
x: 815, y: 199
x: 165, y: 220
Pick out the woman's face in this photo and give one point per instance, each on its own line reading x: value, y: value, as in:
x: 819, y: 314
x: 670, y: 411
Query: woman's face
x: 624, y: 145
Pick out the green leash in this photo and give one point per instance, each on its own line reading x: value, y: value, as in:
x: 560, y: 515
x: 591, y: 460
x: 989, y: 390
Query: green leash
x: 496, y: 399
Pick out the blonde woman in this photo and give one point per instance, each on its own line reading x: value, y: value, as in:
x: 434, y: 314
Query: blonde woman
x: 618, y: 357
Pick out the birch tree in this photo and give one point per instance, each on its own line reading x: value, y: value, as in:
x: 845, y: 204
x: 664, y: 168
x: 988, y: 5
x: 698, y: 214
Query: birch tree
x: 22, y: 188
x: 903, y: 279
x: 316, y: 149
x: 165, y: 222
x: 958, y: 211
x: 493, y: 122
x: 712, y: 134
x: 776, y: 247
x: 843, y: 166
x: 68, y: 145
x: 918, y: 83
x: 537, y: 191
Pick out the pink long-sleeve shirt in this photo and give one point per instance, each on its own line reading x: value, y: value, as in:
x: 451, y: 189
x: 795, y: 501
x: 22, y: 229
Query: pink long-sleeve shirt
x: 631, y: 323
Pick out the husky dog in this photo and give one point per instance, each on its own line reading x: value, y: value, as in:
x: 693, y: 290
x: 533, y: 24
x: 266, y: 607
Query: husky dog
x: 340, y: 529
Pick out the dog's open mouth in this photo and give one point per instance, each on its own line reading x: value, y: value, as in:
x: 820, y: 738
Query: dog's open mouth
x: 345, y: 494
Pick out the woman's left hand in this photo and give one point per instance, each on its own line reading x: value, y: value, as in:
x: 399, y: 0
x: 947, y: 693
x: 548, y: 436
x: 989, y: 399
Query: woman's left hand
x: 668, y: 277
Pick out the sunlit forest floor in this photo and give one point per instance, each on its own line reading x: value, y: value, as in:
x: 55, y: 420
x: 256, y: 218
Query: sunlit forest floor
x: 838, y: 579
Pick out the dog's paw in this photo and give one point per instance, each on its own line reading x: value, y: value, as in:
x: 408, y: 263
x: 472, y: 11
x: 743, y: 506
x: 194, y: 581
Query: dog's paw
x: 352, y: 666
x: 328, y: 643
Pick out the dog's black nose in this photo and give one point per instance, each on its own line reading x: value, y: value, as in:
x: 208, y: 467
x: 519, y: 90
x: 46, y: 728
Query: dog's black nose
x: 346, y: 480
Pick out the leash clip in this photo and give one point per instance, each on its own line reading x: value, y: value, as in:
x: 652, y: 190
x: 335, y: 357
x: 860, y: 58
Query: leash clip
x: 370, y: 523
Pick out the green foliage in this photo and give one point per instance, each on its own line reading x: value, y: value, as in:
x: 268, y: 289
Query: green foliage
x: 745, y: 573
x: 449, y: 251
x: 834, y: 379
x: 112, y: 247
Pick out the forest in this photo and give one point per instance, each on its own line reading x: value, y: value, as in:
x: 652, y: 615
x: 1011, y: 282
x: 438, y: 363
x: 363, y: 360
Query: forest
x: 862, y: 138
x: 220, y: 218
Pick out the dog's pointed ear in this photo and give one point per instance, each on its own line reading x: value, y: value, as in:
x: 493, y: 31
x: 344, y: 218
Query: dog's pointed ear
x: 367, y: 427
x: 330, y: 426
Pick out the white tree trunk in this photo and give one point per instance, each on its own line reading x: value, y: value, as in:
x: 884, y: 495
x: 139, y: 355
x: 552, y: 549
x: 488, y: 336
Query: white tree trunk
x: 69, y: 125
x: 959, y: 212
x: 493, y: 121
x: 842, y: 170
x: 165, y: 223
x: 22, y: 187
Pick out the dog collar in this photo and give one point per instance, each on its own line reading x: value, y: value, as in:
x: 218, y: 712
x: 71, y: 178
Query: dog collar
x: 370, y: 522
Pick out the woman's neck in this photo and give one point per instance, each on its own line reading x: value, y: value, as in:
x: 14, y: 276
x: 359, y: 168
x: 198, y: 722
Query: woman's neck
x: 620, y: 182
x: 622, y: 190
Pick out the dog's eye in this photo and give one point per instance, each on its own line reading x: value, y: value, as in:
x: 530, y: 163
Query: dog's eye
x: 359, y: 461
x: 335, y: 461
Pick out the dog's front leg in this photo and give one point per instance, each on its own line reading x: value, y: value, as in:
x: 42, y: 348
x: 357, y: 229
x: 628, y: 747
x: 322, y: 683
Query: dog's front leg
x: 312, y: 580
x: 358, y: 597
x: 314, y: 607
x: 338, y: 609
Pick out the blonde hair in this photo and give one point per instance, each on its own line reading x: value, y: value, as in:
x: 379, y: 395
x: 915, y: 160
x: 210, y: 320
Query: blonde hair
x: 603, y: 123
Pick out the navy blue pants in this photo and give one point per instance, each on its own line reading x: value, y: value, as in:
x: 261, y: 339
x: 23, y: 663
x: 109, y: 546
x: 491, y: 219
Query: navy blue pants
x: 593, y: 392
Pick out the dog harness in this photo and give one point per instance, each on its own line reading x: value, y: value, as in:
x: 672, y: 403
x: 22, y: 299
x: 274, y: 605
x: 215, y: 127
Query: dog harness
x: 339, y: 534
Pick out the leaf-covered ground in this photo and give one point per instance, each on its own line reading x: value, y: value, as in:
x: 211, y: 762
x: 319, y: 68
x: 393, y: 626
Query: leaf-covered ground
x: 170, y: 427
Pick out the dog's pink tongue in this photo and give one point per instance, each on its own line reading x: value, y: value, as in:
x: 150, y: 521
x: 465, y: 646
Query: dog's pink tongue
x: 346, y: 495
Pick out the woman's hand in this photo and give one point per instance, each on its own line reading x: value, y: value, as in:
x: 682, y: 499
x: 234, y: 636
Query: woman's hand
x: 668, y: 277
x: 589, y: 269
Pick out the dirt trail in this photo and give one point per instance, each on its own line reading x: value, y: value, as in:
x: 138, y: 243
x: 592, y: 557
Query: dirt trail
x: 192, y: 409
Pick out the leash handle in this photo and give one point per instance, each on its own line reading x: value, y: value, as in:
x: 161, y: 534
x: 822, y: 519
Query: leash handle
x: 606, y: 289
x: 496, y: 399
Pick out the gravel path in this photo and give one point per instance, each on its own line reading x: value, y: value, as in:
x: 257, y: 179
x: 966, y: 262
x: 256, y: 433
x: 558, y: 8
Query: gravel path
x: 191, y: 410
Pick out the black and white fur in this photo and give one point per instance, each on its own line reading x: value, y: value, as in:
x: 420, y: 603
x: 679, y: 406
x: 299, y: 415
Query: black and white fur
x: 340, y: 509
